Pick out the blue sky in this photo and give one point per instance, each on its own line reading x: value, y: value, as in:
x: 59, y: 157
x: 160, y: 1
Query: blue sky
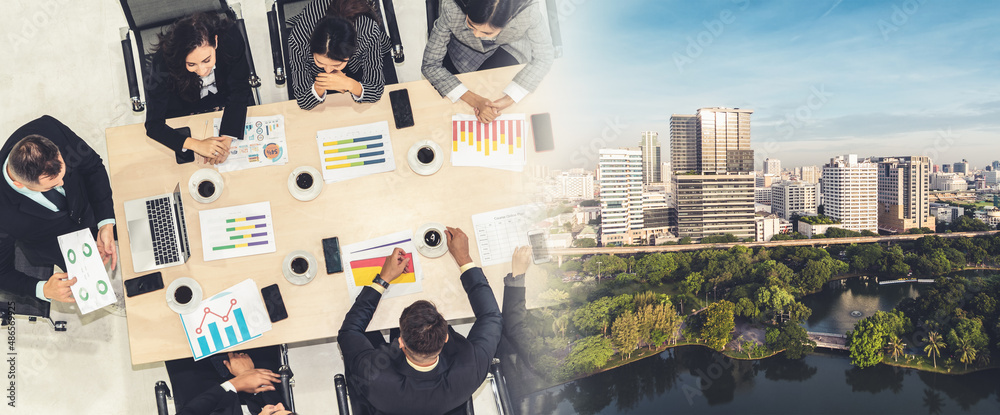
x: 824, y: 77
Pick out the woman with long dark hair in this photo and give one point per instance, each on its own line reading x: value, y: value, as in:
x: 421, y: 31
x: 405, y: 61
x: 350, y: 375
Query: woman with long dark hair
x: 199, y: 66
x: 473, y: 35
x: 337, y: 46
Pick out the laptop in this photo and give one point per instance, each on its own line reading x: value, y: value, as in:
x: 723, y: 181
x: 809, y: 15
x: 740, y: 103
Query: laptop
x: 157, y: 233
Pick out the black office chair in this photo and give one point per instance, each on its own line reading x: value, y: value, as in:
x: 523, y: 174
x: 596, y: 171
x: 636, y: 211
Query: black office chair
x: 497, y: 382
x: 33, y: 308
x: 148, y: 18
x: 277, y: 23
x: 551, y: 10
x: 163, y: 396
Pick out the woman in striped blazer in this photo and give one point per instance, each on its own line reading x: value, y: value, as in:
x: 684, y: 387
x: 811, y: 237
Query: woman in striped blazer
x: 473, y: 35
x: 336, y: 46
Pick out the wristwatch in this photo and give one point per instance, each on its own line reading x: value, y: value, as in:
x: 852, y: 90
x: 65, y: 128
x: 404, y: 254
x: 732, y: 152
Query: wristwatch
x: 378, y: 280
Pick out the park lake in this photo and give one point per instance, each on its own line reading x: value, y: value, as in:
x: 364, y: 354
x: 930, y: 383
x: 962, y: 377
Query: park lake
x: 695, y: 379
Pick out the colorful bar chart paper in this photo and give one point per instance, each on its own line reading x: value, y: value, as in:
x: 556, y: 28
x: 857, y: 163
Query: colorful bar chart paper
x: 365, y: 259
x: 232, y: 317
x: 356, y: 151
x: 237, y: 231
x: 499, y: 144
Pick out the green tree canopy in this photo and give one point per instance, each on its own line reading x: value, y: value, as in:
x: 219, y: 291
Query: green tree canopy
x: 588, y: 355
x: 656, y: 267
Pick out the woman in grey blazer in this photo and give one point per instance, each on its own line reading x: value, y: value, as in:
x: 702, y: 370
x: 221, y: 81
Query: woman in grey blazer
x: 472, y: 35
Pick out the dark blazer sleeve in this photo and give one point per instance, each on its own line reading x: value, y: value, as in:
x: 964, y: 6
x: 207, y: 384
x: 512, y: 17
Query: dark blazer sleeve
x: 89, y: 165
x: 486, y: 331
x: 234, y: 117
x: 158, y: 96
x: 214, y: 400
x: 351, y: 337
x: 12, y: 280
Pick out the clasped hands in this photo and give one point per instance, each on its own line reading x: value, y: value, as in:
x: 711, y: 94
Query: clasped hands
x: 486, y: 110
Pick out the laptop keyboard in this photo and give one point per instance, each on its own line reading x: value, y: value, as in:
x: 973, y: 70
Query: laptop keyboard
x: 161, y: 227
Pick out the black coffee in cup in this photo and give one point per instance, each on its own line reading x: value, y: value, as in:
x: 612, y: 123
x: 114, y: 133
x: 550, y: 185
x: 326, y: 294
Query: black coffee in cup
x: 304, y: 181
x: 300, y: 265
x: 183, y: 294
x: 432, y: 238
x: 425, y: 155
x: 206, y: 188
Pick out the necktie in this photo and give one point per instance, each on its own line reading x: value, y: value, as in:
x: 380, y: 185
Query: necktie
x: 57, y: 199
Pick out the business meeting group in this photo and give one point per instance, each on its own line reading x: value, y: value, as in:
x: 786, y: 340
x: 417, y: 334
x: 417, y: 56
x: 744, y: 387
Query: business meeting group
x: 58, y: 193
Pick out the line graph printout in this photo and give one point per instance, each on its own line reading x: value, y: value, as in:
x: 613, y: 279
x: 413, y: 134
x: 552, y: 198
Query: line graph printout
x: 499, y: 232
x: 237, y: 231
x: 232, y: 317
x: 263, y: 144
x: 355, y: 151
x: 499, y: 144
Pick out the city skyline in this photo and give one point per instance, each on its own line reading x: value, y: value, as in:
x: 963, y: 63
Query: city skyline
x: 826, y: 77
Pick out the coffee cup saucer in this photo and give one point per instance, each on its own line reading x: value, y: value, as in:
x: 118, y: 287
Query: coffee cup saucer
x: 196, y: 295
x: 299, y: 279
x: 313, y: 191
x: 426, y: 249
x: 425, y: 169
x: 202, y: 175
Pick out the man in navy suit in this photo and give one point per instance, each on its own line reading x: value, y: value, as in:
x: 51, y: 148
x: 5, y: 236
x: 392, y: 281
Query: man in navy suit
x: 54, y: 184
x: 429, y: 368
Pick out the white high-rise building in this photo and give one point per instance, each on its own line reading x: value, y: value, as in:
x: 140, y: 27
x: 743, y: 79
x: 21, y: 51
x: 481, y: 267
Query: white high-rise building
x: 904, y: 193
x: 665, y: 173
x: 574, y: 185
x: 794, y: 198
x: 650, y: 146
x: 620, y: 183
x: 850, y: 193
x: 772, y: 166
x: 810, y: 174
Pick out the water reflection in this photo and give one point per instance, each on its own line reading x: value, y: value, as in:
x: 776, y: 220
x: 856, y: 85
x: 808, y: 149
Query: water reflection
x: 694, y: 379
x: 832, y: 307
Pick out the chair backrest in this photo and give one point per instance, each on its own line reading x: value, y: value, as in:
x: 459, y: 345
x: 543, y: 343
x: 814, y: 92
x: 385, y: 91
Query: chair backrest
x: 144, y: 14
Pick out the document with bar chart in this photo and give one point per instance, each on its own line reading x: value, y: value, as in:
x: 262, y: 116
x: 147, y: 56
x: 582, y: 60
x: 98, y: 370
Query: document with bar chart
x: 365, y: 259
x: 237, y: 231
x: 356, y: 151
x: 500, y: 144
x: 263, y: 144
x: 232, y: 317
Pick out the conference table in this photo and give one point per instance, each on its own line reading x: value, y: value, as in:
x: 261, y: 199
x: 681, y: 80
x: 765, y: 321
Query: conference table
x: 354, y: 211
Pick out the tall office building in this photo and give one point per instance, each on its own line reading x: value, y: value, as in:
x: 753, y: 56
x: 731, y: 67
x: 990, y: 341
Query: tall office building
x: 766, y: 180
x: 684, y: 143
x: 962, y: 167
x: 713, y: 204
x: 810, y: 174
x: 945, y: 168
x: 996, y: 165
x: 650, y: 146
x: 620, y: 183
x: 794, y: 198
x: 714, y: 140
x: 850, y: 193
x: 904, y: 193
x: 936, y: 169
x: 656, y: 208
x: 772, y: 166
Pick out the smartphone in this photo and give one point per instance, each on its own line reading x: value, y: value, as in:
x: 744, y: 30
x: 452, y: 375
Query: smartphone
x: 541, y: 129
x: 184, y: 156
x: 401, y: 110
x: 144, y: 284
x: 539, y: 253
x: 331, y: 252
x: 274, y: 303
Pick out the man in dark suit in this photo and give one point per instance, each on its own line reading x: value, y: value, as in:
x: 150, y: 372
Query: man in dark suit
x: 429, y: 369
x: 54, y: 184
x: 220, y: 385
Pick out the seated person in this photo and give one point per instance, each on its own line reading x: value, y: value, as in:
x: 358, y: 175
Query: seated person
x: 199, y: 66
x: 336, y: 45
x: 54, y: 184
x: 429, y: 369
x: 219, y: 385
x: 473, y: 35
x: 514, y: 351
